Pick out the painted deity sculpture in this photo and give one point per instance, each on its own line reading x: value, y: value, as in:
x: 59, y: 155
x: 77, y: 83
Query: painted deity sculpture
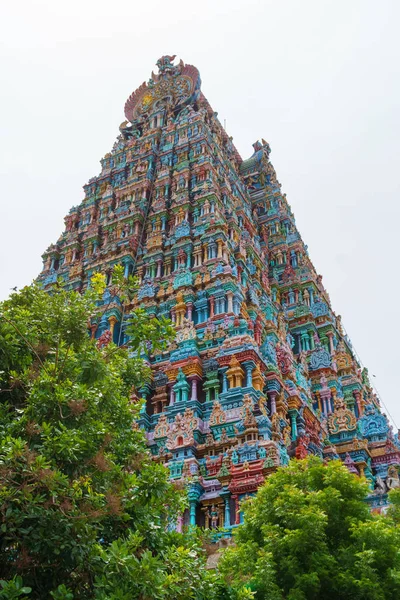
x: 260, y: 370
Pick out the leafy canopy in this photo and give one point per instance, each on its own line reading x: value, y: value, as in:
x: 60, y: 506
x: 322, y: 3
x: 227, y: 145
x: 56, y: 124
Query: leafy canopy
x: 84, y: 510
x: 308, y: 534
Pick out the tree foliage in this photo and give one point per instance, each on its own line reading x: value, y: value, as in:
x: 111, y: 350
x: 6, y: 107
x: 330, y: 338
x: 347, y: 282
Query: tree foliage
x: 85, y: 513
x: 84, y: 510
x: 308, y: 534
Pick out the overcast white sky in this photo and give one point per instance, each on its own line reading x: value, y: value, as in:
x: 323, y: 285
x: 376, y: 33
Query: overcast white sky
x: 318, y: 79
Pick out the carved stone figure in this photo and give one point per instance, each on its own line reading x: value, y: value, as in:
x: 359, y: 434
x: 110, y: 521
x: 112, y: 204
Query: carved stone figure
x: 392, y: 479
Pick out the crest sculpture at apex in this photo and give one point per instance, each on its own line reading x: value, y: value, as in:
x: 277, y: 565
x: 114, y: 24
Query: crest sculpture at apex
x: 260, y: 370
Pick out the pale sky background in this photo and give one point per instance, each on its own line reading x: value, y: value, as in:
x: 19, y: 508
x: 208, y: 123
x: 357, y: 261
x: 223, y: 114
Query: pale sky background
x: 318, y: 79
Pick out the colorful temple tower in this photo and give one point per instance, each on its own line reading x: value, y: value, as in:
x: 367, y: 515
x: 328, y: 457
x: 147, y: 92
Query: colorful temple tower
x: 261, y: 369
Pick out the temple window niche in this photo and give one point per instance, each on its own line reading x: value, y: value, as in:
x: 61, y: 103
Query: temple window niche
x: 220, y: 305
x: 212, y: 250
x: 54, y: 264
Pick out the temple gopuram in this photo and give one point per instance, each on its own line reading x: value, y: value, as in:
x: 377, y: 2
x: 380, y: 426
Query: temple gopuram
x: 261, y: 369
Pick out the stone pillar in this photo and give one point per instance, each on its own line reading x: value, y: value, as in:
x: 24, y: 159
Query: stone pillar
x: 159, y: 263
x: 171, y: 396
x: 326, y: 396
x: 194, y: 389
x: 318, y: 395
x: 192, y: 510
x: 219, y: 252
x: 190, y: 310
x: 272, y: 397
x: 357, y: 395
x: 331, y: 346
x: 237, y: 511
x: 305, y: 341
x: 205, y: 251
x: 230, y: 302
x: 216, y: 390
x: 227, y: 516
x: 249, y: 377
x: 293, y: 421
x: 224, y: 379
x: 311, y: 337
x: 112, y: 320
x: 194, y: 494
x: 126, y: 271
x: 212, y: 304
x: 184, y: 395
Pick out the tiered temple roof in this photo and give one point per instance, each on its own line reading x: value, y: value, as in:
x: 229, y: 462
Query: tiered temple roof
x: 261, y: 369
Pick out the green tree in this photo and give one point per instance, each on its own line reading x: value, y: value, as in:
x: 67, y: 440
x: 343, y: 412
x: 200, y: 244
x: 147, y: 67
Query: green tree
x: 308, y: 534
x: 394, y: 508
x: 84, y: 510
